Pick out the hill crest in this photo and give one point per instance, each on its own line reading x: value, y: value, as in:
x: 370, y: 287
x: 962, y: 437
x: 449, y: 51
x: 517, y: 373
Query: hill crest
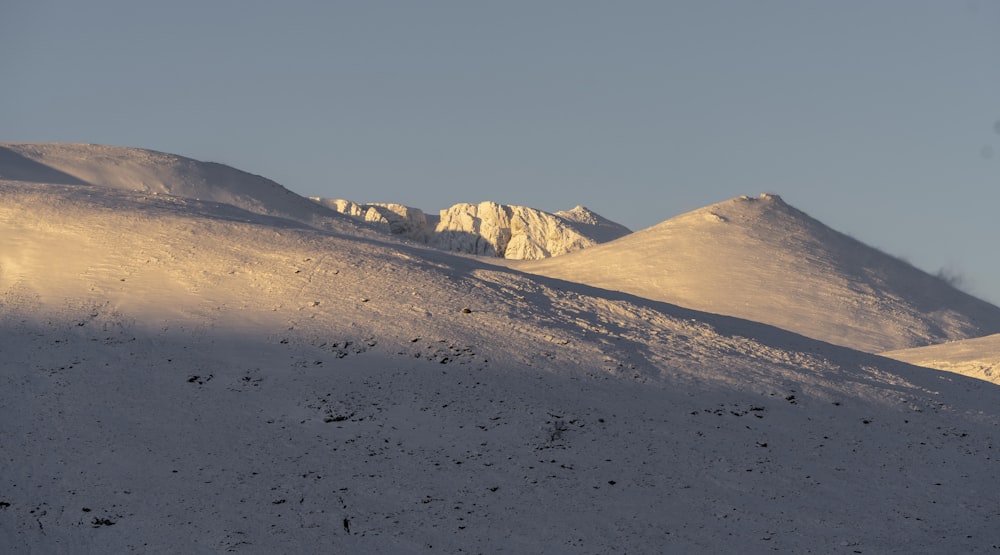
x: 159, y: 173
x: 762, y: 259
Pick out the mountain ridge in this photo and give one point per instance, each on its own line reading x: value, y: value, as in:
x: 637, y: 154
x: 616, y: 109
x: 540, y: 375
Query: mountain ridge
x: 489, y: 228
x: 185, y: 375
x: 159, y: 173
x: 761, y: 259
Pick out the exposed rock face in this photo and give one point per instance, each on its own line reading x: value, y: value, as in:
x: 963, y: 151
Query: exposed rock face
x: 490, y: 229
x: 482, y: 229
x: 396, y: 219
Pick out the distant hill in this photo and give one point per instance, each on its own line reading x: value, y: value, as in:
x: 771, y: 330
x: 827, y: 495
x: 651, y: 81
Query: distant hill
x: 763, y: 260
x: 158, y: 173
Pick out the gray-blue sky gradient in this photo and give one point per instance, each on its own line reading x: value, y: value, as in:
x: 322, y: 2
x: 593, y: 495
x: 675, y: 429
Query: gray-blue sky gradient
x: 878, y: 118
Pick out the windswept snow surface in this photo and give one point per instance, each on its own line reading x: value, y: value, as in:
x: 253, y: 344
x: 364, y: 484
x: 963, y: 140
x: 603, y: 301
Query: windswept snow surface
x: 979, y: 357
x: 183, y: 376
x: 763, y: 260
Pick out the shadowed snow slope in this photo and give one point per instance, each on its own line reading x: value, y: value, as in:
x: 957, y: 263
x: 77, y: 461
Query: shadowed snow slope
x: 182, y: 376
x: 157, y: 173
x: 763, y: 260
x: 979, y: 357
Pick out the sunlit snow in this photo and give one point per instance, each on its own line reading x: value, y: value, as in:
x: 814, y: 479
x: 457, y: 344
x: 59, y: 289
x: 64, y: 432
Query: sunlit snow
x: 193, y: 366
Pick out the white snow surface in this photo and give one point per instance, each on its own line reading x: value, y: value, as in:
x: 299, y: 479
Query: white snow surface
x: 489, y: 229
x: 158, y: 173
x: 978, y: 357
x: 760, y: 259
x: 183, y: 376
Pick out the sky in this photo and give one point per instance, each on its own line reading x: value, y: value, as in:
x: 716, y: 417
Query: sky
x: 880, y: 119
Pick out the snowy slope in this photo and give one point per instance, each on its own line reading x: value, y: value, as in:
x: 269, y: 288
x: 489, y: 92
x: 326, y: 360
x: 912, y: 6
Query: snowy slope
x: 488, y: 228
x: 978, y: 357
x: 763, y: 260
x: 184, y: 376
x: 157, y: 173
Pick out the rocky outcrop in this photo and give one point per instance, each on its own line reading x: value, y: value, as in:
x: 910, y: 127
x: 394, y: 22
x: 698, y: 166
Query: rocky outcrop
x: 490, y: 229
x: 395, y: 219
x: 515, y: 232
x: 482, y: 229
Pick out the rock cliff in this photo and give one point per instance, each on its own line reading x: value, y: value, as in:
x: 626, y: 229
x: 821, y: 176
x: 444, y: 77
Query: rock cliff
x: 488, y: 228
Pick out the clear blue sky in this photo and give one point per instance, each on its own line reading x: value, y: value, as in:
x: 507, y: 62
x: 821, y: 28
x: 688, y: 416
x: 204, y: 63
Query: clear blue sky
x: 882, y: 119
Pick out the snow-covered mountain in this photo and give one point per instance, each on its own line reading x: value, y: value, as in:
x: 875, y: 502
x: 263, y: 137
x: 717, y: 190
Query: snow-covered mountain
x: 490, y: 229
x: 158, y: 173
x: 181, y: 375
x: 763, y: 260
x: 978, y: 357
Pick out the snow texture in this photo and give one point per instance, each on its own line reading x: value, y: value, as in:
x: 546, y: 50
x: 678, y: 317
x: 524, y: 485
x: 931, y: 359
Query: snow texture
x: 187, y: 376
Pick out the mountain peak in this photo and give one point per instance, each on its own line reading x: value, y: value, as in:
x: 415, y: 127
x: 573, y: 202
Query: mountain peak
x: 593, y: 224
x: 750, y: 205
x: 767, y: 197
x: 761, y: 259
x: 581, y: 214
